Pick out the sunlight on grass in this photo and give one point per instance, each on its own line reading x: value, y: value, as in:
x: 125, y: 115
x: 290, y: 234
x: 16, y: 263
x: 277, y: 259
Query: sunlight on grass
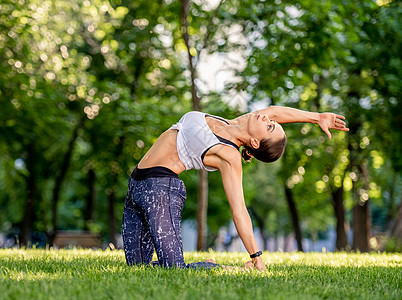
x: 45, y: 274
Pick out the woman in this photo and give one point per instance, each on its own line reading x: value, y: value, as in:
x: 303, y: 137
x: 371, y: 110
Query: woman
x: 156, y: 196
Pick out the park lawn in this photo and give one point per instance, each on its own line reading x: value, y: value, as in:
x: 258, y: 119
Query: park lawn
x: 87, y: 274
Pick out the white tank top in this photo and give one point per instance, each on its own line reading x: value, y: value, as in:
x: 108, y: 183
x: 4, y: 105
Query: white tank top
x: 195, y: 138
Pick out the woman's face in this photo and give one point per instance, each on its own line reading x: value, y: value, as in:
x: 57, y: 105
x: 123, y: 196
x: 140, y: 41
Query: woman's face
x: 261, y: 127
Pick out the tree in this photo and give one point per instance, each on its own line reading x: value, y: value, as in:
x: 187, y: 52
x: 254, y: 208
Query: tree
x: 192, y: 66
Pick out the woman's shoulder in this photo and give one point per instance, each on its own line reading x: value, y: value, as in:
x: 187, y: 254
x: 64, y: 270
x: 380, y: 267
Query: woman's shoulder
x: 194, y: 112
x: 192, y: 115
x: 224, y: 155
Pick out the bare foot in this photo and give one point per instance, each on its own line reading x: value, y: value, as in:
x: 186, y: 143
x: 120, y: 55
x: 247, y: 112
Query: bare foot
x: 211, y: 261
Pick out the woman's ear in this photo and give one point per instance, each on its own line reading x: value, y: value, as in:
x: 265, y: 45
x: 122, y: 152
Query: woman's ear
x: 255, y: 143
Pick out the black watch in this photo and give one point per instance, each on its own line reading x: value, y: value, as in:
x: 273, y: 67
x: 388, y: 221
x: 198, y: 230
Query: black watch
x: 259, y: 253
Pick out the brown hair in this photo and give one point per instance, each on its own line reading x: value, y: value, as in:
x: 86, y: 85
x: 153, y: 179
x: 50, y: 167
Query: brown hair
x: 267, y: 152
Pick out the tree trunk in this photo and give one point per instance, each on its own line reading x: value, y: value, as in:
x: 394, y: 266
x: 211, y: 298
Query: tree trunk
x: 361, y: 218
x: 261, y: 225
x: 59, y: 181
x: 111, y: 217
x: 360, y: 212
x: 397, y: 228
x: 295, y: 217
x: 185, y: 7
x: 202, y: 208
x: 339, y: 209
x: 30, y: 197
x: 90, y: 204
x: 392, y: 209
x: 202, y: 204
x: 361, y: 234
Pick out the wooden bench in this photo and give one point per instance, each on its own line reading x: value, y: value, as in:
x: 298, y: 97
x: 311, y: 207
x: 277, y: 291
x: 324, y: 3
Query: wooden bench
x: 81, y: 239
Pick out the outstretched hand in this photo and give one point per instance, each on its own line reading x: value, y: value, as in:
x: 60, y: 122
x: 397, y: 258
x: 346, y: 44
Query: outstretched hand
x: 331, y: 121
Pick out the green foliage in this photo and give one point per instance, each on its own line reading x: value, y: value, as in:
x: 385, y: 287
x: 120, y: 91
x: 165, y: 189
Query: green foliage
x: 116, y: 73
x: 45, y: 274
x: 393, y: 245
x: 321, y: 57
x: 71, y: 64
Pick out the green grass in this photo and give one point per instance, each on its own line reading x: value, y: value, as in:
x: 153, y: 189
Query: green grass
x: 87, y: 274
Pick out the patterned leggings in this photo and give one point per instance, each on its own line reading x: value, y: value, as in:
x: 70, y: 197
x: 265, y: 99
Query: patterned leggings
x: 151, y: 220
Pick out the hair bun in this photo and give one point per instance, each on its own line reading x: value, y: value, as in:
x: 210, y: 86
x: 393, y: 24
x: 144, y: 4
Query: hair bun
x: 246, y: 155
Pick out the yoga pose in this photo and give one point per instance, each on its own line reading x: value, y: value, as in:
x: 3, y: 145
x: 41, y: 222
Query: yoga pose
x: 156, y: 196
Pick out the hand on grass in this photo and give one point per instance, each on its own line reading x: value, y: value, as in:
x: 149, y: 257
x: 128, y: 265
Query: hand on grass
x: 249, y: 265
x: 256, y: 263
x: 331, y: 121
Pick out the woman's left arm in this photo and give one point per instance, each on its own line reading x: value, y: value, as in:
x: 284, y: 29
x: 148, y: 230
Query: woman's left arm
x: 231, y: 171
x: 326, y: 121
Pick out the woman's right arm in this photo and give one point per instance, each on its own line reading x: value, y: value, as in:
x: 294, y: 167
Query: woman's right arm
x: 231, y: 171
x: 326, y: 121
x: 283, y: 114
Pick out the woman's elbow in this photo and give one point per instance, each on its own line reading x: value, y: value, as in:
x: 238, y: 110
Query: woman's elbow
x: 239, y: 212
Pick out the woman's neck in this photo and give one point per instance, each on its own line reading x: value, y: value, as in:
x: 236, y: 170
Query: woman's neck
x: 239, y: 129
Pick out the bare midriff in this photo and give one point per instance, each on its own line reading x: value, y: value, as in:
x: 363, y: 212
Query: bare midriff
x: 163, y: 153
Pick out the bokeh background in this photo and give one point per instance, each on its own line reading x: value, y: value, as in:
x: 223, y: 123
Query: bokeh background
x: 86, y: 87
